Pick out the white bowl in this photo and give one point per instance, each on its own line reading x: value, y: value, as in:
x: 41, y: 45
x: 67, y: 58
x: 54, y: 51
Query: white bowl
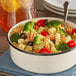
x: 42, y: 63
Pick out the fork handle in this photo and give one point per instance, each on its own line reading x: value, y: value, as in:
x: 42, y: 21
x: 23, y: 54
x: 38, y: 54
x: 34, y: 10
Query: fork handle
x: 66, y: 5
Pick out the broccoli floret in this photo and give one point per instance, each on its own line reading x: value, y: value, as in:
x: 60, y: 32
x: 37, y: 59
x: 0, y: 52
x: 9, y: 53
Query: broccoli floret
x: 37, y: 40
x: 62, y: 32
x: 14, y: 37
x: 29, y: 26
x: 62, y: 47
x: 54, y: 23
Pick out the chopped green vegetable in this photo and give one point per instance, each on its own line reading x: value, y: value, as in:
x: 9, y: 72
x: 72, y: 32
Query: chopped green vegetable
x: 29, y: 26
x: 54, y: 23
x: 62, y: 47
x: 14, y: 37
x: 62, y: 32
x: 37, y: 40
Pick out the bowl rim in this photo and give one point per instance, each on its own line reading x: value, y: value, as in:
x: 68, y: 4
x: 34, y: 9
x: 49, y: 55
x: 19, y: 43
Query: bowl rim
x: 22, y: 22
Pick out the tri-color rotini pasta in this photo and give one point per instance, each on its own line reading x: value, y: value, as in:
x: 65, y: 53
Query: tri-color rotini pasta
x: 44, y: 36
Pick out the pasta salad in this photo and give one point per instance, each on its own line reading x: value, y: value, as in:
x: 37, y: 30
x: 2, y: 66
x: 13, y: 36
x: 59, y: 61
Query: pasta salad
x: 43, y: 36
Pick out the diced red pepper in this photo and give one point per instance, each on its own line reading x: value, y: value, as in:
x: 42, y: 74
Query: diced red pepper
x: 44, y: 33
x: 45, y: 51
x: 41, y: 23
x: 71, y: 43
x: 73, y: 31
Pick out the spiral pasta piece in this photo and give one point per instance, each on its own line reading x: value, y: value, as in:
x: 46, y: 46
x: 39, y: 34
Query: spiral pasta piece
x: 68, y: 29
x: 62, y: 38
x: 28, y: 48
x: 53, y: 49
x: 36, y: 28
x: 52, y: 31
x: 57, y: 38
x: 47, y: 45
x: 31, y: 36
x: 38, y: 46
x: 40, y: 29
x: 21, y: 46
x: 17, y: 30
x: 52, y: 37
x: 67, y: 39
